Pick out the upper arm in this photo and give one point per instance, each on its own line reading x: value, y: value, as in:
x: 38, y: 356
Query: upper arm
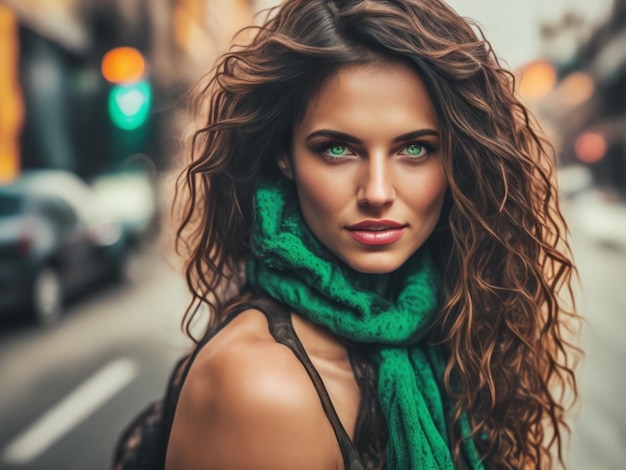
x: 250, y: 406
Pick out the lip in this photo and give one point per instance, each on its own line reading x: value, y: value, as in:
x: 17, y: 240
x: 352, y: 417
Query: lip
x: 376, y: 225
x: 376, y: 232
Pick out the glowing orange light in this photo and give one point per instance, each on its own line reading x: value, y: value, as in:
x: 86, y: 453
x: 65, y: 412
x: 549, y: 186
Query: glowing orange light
x: 590, y: 147
x: 123, y: 65
x: 12, y: 105
x: 577, y: 88
x: 538, y: 79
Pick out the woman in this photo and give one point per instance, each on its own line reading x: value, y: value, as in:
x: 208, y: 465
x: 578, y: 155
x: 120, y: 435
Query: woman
x: 367, y: 190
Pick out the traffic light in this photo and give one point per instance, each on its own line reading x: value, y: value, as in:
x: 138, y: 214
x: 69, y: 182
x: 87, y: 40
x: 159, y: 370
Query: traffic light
x: 123, y: 65
x: 130, y: 96
x: 129, y: 105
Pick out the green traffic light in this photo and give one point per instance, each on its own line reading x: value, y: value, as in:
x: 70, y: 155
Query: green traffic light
x: 129, y: 105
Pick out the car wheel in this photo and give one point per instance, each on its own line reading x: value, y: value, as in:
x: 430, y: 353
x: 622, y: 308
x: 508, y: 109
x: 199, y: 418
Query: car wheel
x: 47, y: 296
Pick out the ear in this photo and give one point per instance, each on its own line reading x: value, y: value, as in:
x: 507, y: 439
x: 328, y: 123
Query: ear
x: 284, y: 164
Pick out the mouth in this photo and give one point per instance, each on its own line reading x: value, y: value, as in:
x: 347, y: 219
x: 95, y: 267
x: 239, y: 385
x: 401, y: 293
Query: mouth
x: 376, y: 232
x: 376, y: 225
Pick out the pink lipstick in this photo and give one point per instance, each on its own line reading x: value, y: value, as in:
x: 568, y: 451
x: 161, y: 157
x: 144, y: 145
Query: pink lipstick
x: 377, y: 232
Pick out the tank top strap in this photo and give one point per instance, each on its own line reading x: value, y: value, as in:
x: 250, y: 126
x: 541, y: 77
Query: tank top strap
x: 281, y: 328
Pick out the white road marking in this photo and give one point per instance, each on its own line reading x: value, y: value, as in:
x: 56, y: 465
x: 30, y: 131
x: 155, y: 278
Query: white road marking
x: 69, y: 412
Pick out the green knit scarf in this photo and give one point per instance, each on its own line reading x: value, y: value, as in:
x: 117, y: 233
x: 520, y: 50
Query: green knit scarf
x: 389, y: 312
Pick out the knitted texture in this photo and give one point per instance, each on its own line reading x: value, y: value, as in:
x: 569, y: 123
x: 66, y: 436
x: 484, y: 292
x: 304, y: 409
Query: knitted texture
x: 390, y: 312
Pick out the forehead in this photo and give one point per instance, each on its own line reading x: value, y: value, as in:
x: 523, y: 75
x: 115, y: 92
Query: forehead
x: 378, y: 95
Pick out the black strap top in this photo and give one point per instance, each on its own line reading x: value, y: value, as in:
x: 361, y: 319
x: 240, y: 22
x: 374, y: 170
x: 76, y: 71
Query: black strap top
x: 281, y: 329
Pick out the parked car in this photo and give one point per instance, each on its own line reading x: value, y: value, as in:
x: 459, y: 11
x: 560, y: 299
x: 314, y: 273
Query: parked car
x: 129, y: 197
x: 53, y: 243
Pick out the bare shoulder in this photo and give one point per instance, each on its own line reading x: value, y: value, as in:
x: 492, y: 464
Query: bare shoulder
x: 248, y: 403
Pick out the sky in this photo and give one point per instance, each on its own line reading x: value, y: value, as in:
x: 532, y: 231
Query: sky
x: 512, y: 26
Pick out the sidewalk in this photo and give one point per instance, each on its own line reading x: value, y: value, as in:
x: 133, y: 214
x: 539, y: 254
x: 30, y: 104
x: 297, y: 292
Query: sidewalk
x: 592, y: 212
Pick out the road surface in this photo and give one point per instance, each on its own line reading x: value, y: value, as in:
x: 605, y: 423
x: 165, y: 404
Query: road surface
x: 68, y: 391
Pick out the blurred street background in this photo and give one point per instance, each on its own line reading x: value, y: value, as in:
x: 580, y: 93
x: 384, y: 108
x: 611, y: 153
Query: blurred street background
x: 92, y: 112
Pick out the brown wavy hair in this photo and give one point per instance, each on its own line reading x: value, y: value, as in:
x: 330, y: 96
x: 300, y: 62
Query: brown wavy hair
x: 508, y: 312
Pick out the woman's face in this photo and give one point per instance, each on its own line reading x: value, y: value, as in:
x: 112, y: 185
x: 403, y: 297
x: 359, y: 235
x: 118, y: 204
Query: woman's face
x: 367, y: 165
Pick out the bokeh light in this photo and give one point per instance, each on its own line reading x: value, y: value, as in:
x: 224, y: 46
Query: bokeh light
x: 538, y: 79
x: 577, y: 88
x: 123, y: 65
x: 129, y: 105
x: 590, y: 147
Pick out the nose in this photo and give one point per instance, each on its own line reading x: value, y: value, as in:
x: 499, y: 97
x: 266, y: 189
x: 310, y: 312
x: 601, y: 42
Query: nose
x: 376, y: 188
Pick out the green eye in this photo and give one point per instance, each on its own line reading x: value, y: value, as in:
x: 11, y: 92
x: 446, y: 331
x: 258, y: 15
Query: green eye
x: 337, y: 150
x: 415, y: 150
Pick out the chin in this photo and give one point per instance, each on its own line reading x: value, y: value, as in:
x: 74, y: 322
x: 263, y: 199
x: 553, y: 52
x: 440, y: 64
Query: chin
x: 376, y: 263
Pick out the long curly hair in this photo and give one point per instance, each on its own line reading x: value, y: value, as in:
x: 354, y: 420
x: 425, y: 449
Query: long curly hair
x: 508, y: 319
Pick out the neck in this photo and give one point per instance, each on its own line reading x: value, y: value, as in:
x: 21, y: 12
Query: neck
x: 318, y: 340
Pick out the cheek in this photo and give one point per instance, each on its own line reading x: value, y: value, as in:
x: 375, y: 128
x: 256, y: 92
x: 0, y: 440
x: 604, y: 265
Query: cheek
x: 320, y: 193
x: 324, y: 200
x: 428, y: 199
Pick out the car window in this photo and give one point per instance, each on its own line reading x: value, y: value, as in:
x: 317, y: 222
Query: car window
x: 71, y: 189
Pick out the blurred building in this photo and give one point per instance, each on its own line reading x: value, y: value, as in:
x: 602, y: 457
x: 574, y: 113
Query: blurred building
x: 598, y: 137
x: 58, y: 110
x: 580, y: 90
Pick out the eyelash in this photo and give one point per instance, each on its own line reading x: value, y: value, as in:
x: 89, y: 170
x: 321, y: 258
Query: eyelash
x: 323, y: 148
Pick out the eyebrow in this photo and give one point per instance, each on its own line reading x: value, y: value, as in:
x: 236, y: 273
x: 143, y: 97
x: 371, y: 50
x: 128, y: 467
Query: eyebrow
x: 353, y: 140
